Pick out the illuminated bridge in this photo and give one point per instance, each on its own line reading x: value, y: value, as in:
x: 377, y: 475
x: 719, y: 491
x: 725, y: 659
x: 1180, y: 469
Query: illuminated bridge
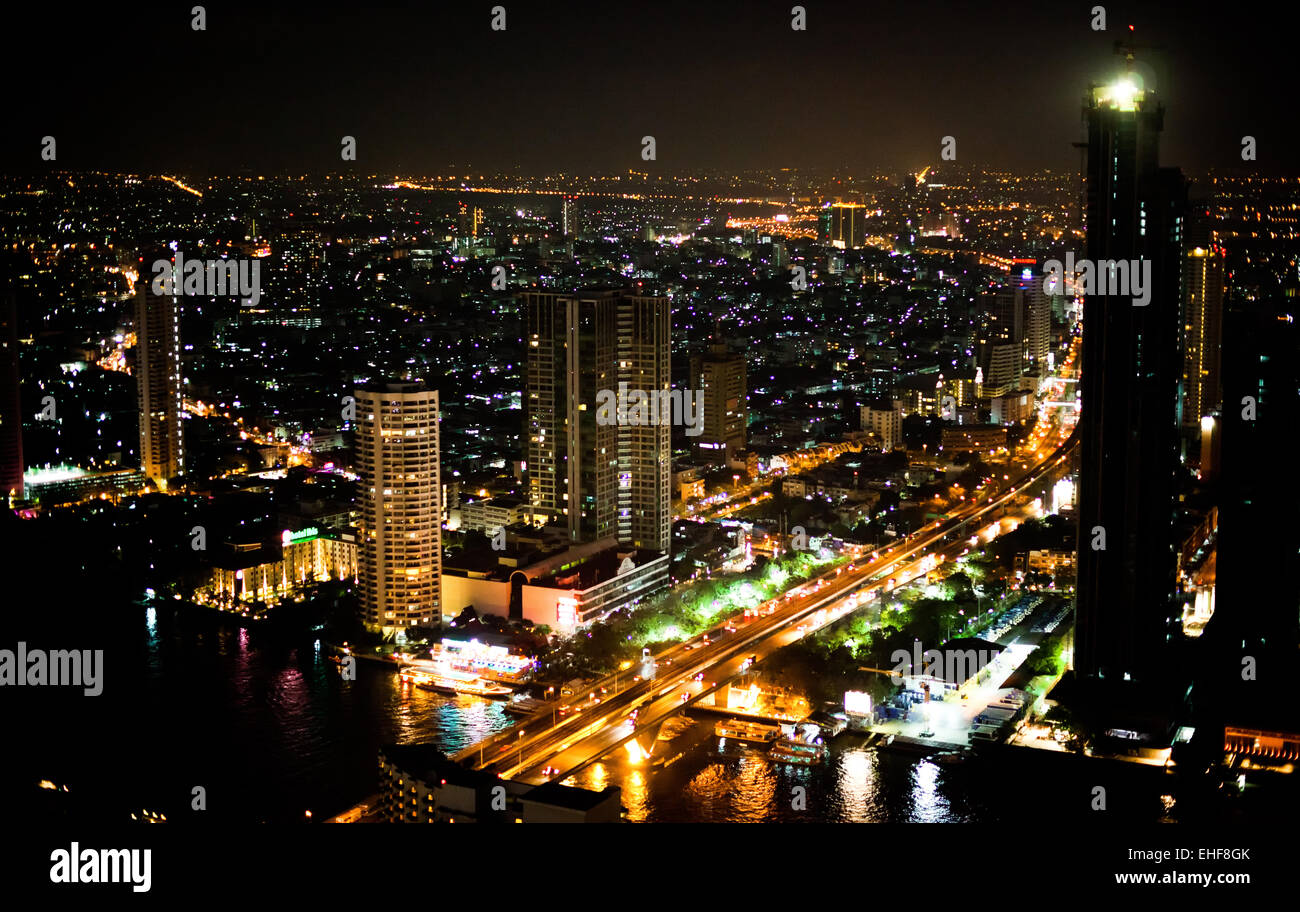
x: 627, y: 710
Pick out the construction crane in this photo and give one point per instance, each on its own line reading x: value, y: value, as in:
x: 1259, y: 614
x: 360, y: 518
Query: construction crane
x: 1127, y: 49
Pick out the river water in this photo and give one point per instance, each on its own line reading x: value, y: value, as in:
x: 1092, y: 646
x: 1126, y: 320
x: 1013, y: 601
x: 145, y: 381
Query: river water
x: 268, y: 729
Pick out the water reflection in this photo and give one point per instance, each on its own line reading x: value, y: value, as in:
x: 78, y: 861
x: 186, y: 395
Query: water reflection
x: 928, y: 806
x: 856, y: 784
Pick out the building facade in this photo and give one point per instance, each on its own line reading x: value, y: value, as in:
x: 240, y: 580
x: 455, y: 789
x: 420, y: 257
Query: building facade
x: 158, y: 377
x: 11, y: 419
x: 1203, y: 329
x: 1128, y: 425
x: 399, y: 533
x: 597, y: 478
x: 720, y: 378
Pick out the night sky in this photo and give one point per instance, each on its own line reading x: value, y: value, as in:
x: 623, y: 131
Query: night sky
x: 574, y: 87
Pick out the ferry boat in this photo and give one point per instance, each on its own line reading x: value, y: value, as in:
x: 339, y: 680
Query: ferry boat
x: 804, y: 747
x: 422, y: 675
x: 745, y: 730
x: 949, y: 758
x: 492, y: 663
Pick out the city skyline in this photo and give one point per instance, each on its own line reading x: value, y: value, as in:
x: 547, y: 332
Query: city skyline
x: 520, y: 414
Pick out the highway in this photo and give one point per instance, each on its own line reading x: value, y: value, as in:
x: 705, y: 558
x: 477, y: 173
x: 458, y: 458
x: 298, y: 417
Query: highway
x: 581, y: 728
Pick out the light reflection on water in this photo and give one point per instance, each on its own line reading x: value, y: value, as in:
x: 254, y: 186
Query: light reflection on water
x: 717, y: 780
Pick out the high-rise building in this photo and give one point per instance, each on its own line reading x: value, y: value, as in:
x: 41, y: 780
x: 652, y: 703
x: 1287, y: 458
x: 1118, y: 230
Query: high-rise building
x: 469, y: 221
x: 158, y: 376
x: 1203, y: 332
x: 1128, y: 427
x: 1001, y: 370
x: 1257, y: 563
x: 11, y: 419
x: 645, y: 451
x: 569, y: 217
x: 780, y: 255
x: 597, y: 479
x: 1037, y: 319
x: 884, y: 420
x: 719, y: 377
x: 848, y: 228
x: 1004, y: 336
x: 399, y: 532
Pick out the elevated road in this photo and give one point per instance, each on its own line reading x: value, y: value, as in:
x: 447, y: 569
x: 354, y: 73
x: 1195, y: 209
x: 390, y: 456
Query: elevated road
x: 615, y: 710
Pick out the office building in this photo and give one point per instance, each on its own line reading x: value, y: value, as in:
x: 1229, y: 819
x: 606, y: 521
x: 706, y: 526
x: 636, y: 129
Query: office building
x: 399, y: 532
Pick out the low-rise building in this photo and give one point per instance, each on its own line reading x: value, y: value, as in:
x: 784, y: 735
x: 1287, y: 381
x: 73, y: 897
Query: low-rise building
x: 563, y: 589
x: 269, y: 572
x: 487, y: 515
x: 977, y: 438
x: 419, y: 784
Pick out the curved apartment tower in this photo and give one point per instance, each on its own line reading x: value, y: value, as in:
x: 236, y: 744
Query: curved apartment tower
x: 399, y: 534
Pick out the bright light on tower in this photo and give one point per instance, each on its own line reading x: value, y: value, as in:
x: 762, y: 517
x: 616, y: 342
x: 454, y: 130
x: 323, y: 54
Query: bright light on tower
x: 1123, y: 94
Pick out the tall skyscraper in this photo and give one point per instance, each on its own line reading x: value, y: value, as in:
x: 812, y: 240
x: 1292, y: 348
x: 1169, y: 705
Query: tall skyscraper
x: 11, y: 419
x: 1259, y: 413
x: 1245, y: 681
x: 720, y: 377
x: 399, y: 534
x: 1037, y: 320
x: 848, y: 227
x: 1131, y: 362
x: 469, y: 221
x: 1203, y: 330
x: 569, y: 217
x: 158, y: 376
x: 1001, y: 341
x: 599, y: 480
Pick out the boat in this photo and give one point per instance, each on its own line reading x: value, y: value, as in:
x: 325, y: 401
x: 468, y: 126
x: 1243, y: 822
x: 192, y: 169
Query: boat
x: 949, y: 758
x: 442, y: 680
x: 525, y: 706
x: 745, y: 730
x: 803, y: 748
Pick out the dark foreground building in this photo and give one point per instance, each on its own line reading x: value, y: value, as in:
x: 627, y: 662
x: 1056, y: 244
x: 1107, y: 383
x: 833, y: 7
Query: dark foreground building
x: 1128, y: 427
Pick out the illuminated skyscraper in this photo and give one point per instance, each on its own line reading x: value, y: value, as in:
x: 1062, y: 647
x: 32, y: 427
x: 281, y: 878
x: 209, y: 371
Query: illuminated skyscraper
x: 1128, y: 427
x: 597, y: 479
x: 569, y: 217
x: 158, y: 376
x: 848, y: 228
x: 11, y: 419
x: 399, y: 533
x: 1203, y: 330
x: 1037, y: 319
